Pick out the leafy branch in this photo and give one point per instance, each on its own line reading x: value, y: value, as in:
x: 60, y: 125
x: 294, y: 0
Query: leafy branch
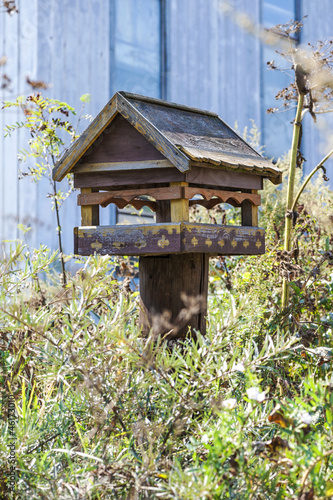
x: 47, y: 121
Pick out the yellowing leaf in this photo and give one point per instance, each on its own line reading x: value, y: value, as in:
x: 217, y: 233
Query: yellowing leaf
x: 329, y: 488
x: 277, y: 417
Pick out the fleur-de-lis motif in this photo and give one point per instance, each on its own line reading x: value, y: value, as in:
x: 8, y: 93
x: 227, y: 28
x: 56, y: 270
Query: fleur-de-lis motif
x: 194, y: 241
x: 140, y: 244
x: 221, y: 243
x: 258, y: 244
x: 118, y: 244
x: 96, y: 245
x: 234, y: 243
x: 163, y: 242
x: 208, y: 242
x: 246, y: 244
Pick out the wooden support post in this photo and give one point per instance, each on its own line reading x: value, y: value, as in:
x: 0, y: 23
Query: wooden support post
x: 179, y: 208
x: 173, y: 294
x: 89, y: 213
x: 250, y: 212
x: 166, y: 279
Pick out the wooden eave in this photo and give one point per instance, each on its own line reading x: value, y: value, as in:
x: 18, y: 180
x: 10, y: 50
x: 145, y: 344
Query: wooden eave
x: 211, y: 143
x: 240, y: 163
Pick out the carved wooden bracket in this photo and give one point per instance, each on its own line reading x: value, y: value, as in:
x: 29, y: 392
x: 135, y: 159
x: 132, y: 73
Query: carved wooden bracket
x: 211, y: 197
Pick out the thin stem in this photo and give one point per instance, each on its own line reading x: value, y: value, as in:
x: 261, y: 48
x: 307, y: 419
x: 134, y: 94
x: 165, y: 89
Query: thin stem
x: 56, y: 206
x: 290, y: 192
x: 305, y: 183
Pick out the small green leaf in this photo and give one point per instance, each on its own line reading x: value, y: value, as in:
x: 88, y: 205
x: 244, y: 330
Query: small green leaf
x: 85, y: 98
x: 23, y: 228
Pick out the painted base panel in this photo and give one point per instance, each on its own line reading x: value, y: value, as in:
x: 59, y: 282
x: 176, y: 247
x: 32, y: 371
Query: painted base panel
x: 167, y: 238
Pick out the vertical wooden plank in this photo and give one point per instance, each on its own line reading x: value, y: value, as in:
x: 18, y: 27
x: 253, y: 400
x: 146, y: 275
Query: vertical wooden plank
x: 64, y: 75
x: 27, y: 190
x: 89, y: 213
x: 112, y: 210
x: 101, y: 14
x: 317, y: 138
x: 100, y: 71
x: 214, y: 63
x: 2, y: 145
x: 179, y: 209
x: 173, y: 294
x: 213, y: 81
x: 9, y: 116
x: 45, y: 221
x: 249, y: 214
x: 163, y: 213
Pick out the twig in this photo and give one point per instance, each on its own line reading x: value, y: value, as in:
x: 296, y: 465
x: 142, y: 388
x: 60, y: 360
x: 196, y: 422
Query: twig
x: 19, y: 320
x: 309, y: 469
x: 305, y: 183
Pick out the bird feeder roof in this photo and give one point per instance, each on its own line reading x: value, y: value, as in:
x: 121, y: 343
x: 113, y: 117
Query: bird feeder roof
x: 184, y: 135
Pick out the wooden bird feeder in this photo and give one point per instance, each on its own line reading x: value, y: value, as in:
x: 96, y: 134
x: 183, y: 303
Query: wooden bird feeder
x: 142, y: 151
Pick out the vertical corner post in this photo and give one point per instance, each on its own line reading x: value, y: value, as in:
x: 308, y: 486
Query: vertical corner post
x: 89, y: 213
x: 249, y: 212
x: 180, y: 209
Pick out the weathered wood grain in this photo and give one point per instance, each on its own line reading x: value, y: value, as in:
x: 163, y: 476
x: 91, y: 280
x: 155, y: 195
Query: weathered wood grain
x: 180, y: 208
x: 138, y: 239
x: 188, y: 129
x: 204, y: 137
x: 89, y: 213
x: 224, y: 196
x: 105, y: 180
x: 9, y: 164
x: 137, y: 204
x: 163, y: 211
x: 167, y: 238
x: 223, y: 240
x: 173, y: 294
x: 233, y: 160
x: 149, y: 130
x: 221, y: 178
x: 83, y: 168
x: 197, y: 176
x: 120, y: 142
x: 152, y: 133
x: 136, y: 97
x: 179, y: 194
x: 103, y: 199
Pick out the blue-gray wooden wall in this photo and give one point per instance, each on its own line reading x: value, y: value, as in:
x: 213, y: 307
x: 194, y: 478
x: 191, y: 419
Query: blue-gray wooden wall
x: 317, y: 138
x: 211, y: 63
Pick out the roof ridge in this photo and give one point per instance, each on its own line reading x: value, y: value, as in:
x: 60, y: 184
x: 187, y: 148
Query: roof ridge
x: 169, y: 104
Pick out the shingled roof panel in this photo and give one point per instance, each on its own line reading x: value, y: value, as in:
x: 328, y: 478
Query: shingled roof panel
x: 192, y: 128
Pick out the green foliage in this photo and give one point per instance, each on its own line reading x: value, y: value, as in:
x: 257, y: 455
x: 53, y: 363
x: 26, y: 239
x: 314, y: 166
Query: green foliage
x: 47, y: 121
x: 103, y: 412
x: 48, y: 126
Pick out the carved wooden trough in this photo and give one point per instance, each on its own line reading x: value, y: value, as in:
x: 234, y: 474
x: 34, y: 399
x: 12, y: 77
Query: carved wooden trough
x: 141, y: 151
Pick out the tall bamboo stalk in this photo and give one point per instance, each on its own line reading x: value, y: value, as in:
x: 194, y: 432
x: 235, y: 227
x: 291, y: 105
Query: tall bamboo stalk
x: 290, y: 193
